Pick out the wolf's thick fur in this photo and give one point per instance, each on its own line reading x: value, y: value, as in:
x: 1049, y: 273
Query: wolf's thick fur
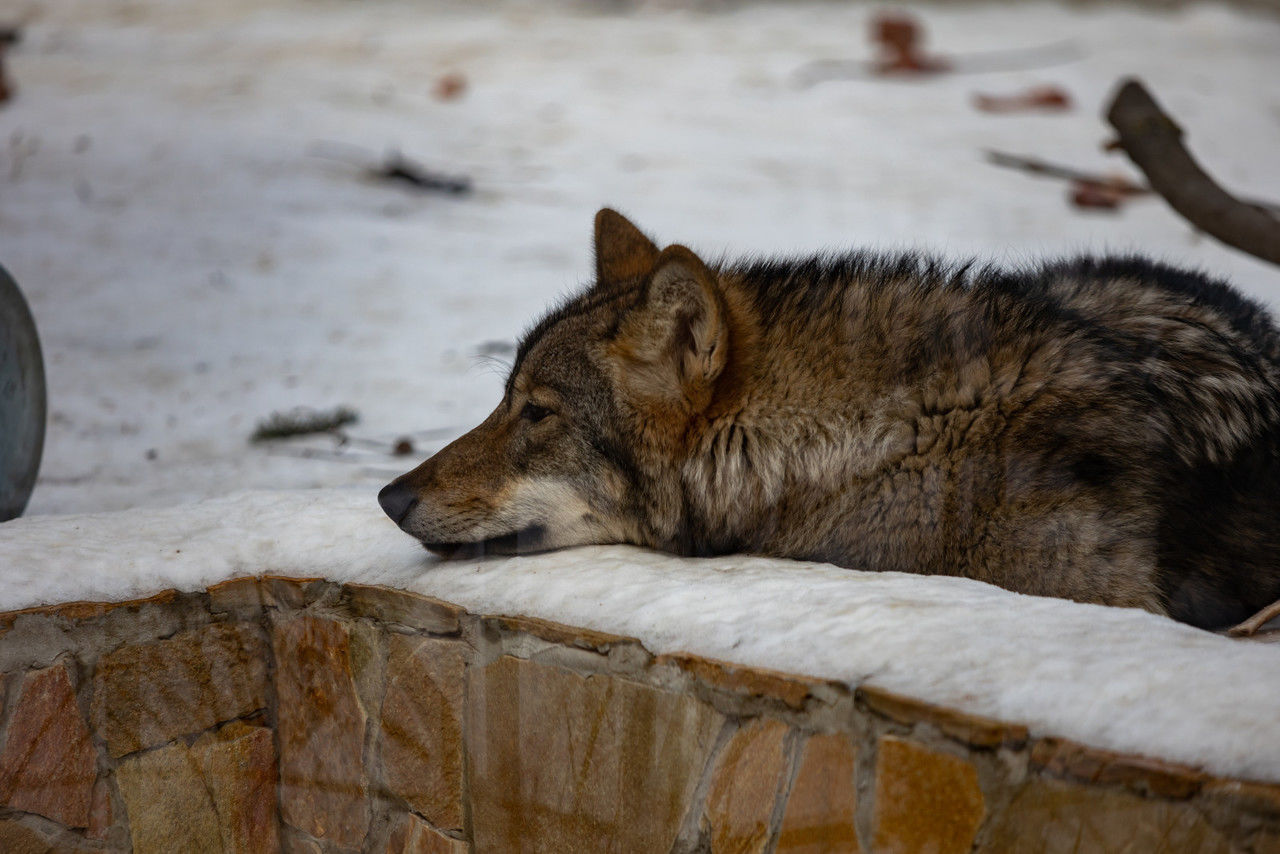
x: 1101, y: 430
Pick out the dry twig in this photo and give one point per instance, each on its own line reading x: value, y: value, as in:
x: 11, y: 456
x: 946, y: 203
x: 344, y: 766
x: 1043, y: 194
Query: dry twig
x: 1115, y: 183
x: 1252, y: 625
x: 1153, y: 142
x: 398, y: 168
x: 303, y: 421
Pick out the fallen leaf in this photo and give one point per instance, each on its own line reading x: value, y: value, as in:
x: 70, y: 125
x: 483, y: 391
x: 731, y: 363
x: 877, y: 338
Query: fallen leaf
x: 1037, y: 98
x: 451, y: 86
x: 899, y: 37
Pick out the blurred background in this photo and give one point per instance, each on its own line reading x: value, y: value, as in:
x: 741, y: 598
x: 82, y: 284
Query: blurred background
x: 224, y: 211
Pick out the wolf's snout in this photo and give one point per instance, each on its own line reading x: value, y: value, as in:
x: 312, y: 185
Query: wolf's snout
x: 397, y: 500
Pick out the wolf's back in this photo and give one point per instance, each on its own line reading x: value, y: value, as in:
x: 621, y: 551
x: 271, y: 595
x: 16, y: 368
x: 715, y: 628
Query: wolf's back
x: 1210, y: 361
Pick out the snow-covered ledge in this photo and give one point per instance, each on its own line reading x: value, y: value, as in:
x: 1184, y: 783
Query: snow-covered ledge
x: 739, y: 703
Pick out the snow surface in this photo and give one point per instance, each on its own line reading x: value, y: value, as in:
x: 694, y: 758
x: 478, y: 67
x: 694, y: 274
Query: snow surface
x: 1115, y: 678
x: 194, y: 264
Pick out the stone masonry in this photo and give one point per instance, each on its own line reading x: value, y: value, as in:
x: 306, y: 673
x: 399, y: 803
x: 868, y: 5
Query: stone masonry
x: 294, y: 715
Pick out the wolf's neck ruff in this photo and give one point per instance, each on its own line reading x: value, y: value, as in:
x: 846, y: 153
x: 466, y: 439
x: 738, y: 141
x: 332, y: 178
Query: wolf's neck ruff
x: 1105, y: 431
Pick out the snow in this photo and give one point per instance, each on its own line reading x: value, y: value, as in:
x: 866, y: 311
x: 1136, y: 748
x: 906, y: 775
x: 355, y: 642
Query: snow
x: 196, y: 257
x: 1114, y: 678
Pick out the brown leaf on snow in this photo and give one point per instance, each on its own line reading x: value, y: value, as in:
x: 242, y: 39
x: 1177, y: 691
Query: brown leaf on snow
x: 450, y: 87
x: 1047, y: 98
x: 899, y: 37
x: 1103, y: 195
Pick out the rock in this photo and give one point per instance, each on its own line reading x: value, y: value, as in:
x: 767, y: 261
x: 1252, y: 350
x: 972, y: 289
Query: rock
x: 412, y: 835
x: 819, y: 817
x: 748, y: 774
x: 400, y: 606
x: 926, y: 800
x: 49, y: 764
x: 150, y: 693
x: 321, y: 730
x: 1054, y: 816
x: 421, y: 727
x: 561, y: 762
x: 218, y: 795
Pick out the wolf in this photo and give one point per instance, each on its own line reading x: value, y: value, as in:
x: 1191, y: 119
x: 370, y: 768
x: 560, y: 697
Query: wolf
x: 1101, y: 430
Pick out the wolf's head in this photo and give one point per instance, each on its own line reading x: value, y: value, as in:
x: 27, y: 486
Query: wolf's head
x: 595, y: 415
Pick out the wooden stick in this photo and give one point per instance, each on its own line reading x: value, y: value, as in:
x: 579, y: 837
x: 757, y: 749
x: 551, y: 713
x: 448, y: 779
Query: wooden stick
x: 1037, y: 166
x: 1257, y: 621
x: 1153, y: 142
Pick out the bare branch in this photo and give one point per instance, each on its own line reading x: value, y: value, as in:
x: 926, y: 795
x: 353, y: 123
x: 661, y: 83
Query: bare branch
x: 1154, y: 143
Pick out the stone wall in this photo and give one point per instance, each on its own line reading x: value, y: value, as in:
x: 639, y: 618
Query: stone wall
x: 297, y: 715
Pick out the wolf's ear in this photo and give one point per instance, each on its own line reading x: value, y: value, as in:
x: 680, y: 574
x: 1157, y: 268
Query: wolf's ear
x: 676, y: 342
x: 622, y: 250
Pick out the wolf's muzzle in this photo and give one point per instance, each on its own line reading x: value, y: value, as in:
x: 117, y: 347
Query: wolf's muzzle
x: 397, y: 500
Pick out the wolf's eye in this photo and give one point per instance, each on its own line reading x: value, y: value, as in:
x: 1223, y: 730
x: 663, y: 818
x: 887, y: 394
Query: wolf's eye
x: 534, y: 413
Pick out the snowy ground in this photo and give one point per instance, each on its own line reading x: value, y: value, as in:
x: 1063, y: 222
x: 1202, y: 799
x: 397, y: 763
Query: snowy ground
x: 1080, y: 671
x: 193, y: 265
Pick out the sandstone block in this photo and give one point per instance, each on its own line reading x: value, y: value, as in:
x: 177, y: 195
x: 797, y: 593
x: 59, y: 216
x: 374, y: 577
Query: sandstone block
x: 217, y: 795
x: 263, y: 591
x: 744, y: 787
x: 819, y: 818
x: 421, y: 727
x: 412, y: 835
x: 16, y: 838
x: 926, y: 800
x: 971, y: 729
x: 1056, y: 816
x: 561, y: 762
x: 1144, y: 775
x: 49, y: 765
x: 557, y: 633
x: 400, y: 606
x: 790, y: 689
x: 321, y: 730
x: 151, y: 693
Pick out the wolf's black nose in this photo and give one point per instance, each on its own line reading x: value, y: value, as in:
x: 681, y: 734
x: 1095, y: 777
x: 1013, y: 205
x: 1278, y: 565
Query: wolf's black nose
x: 397, y: 500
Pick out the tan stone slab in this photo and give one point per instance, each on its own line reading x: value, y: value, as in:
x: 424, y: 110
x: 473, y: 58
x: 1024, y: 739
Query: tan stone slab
x: 101, y: 813
x: 748, y: 776
x: 150, y: 693
x: 1065, y: 758
x: 789, y: 688
x: 820, y: 813
x: 1258, y: 798
x: 561, y: 762
x: 925, y: 800
x: 975, y: 730
x: 218, y: 795
x: 76, y: 611
x: 400, y: 606
x: 49, y: 764
x: 1057, y: 817
x: 412, y: 835
x: 15, y: 838
x: 262, y: 591
x: 293, y: 842
x: 560, y: 633
x: 421, y: 726
x: 238, y: 763
x: 321, y: 725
